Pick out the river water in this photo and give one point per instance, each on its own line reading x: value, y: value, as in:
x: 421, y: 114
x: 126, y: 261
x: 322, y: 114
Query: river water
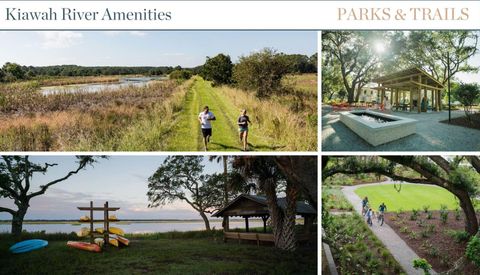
x: 95, y: 87
x: 133, y: 227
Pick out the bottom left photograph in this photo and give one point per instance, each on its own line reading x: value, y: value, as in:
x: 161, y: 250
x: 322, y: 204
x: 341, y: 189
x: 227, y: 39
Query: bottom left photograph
x: 158, y: 214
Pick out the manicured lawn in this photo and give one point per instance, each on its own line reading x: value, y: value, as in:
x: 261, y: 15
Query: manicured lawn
x: 410, y: 197
x: 161, y: 256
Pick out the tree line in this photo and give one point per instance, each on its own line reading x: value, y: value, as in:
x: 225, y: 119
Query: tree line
x: 11, y: 72
x: 351, y: 59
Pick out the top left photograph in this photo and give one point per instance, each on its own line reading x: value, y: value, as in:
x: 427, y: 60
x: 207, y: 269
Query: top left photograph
x: 158, y: 91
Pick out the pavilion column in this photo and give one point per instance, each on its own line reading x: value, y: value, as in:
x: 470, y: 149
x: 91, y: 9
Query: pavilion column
x: 391, y: 96
x: 439, y: 102
x: 419, y: 98
x: 264, y: 219
x: 246, y: 224
x: 432, y: 96
x: 396, y: 98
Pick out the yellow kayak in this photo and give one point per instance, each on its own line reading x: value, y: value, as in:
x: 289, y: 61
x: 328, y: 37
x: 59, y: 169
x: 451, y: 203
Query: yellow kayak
x: 113, y: 242
x: 112, y: 230
x: 84, y: 231
x: 85, y: 218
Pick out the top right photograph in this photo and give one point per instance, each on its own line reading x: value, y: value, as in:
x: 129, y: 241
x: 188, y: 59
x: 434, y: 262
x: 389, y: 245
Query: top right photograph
x: 400, y: 91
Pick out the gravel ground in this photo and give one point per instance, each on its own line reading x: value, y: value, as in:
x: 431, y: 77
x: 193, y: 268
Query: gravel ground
x: 431, y: 135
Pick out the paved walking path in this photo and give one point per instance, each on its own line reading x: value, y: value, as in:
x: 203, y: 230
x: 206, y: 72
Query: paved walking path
x: 399, y: 249
x: 431, y: 135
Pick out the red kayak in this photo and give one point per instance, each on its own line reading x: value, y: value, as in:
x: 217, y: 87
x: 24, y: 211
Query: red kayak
x: 85, y: 246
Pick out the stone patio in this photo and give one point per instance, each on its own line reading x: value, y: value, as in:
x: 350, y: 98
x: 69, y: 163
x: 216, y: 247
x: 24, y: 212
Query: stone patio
x: 431, y: 134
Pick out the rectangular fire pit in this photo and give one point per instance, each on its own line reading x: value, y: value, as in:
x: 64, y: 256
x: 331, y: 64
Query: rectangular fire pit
x: 378, y: 128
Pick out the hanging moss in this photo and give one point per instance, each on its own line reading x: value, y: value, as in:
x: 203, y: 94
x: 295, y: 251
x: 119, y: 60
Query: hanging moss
x: 466, y: 179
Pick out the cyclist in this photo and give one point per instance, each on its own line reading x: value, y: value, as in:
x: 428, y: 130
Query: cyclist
x: 381, y: 209
x: 364, y: 205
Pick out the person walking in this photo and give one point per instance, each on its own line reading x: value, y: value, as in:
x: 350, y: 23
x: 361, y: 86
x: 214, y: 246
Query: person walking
x: 204, y: 118
x: 242, y: 122
x: 364, y: 205
x: 370, y: 215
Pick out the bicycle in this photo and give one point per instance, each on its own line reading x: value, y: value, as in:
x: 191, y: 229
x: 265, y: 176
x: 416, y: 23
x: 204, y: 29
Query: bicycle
x: 381, y: 217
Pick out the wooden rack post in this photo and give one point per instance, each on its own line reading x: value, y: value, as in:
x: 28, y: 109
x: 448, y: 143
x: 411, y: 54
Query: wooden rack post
x: 106, y: 223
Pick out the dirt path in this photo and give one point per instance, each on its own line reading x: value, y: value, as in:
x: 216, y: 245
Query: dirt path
x: 399, y: 249
x: 186, y: 136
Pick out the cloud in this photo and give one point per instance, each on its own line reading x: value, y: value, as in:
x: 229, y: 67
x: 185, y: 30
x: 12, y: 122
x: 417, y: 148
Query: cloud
x: 133, y: 33
x: 138, y: 33
x: 59, y: 40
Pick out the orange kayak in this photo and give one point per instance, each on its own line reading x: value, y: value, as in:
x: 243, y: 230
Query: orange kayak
x: 85, y: 246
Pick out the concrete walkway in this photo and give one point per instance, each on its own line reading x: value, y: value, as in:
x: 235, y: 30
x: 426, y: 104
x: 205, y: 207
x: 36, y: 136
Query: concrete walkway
x: 431, y: 134
x: 397, y: 247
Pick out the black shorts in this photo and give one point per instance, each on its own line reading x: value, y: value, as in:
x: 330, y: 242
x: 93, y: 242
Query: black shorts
x: 207, y: 132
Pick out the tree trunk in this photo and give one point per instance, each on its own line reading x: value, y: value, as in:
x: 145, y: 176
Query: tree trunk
x: 351, y: 94
x: 289, y: 240
x: 276, y: 214
x: 205, y: 219
x: 471, y: 222
x: 17, y: 223
x: 225, y: 222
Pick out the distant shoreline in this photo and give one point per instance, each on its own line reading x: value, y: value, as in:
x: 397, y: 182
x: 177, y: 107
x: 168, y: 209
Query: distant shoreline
x: 119, y: 221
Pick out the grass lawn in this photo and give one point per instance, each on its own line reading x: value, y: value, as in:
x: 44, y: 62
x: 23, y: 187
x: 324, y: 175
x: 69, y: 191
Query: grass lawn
x: 411, y: 196
x: 161, y: 256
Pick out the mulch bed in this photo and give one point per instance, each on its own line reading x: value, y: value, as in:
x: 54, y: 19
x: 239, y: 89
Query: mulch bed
x: 448, y: 250
x: 464, y: 122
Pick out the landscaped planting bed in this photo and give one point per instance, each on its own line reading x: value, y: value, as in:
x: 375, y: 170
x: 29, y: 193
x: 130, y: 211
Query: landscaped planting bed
x: 437, y: 236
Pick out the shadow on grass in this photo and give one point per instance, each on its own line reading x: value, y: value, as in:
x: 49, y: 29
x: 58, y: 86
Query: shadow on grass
x: 252, y: 147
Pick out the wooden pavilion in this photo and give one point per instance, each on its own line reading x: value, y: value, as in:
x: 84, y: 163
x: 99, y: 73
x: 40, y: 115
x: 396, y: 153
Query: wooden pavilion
x: 415, y: 83
x: 252, y: 206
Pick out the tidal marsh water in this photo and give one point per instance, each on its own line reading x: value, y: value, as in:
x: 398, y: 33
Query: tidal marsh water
x: 132, y: 227
x: 96, y: 87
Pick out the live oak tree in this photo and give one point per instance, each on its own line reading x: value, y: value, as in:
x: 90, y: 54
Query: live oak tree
x: 218, y: 69
x: 352, y: 53
x: 297, y: 174
x: 182, y: 178
x: 433, y: 50
x: 261, y: 71
x: 17, y: 174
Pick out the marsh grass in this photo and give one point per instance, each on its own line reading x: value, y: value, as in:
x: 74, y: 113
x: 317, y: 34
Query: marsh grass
x: 89, y: 121
x: 149, y: 118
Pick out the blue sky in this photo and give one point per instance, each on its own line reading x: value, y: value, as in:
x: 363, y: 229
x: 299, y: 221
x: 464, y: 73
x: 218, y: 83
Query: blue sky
x: 144, y: 48
x: 122, y: 180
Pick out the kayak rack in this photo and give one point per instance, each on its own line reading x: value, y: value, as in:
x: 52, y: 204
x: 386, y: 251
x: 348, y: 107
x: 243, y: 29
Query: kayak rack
x: 106, y: 222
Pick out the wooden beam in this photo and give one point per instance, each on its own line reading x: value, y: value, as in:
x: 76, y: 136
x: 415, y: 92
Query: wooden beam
x: 246, y: 225
x: 425, y: 85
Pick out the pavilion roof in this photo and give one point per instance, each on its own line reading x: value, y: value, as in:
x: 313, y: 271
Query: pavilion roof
x: 408, y: 78
x: 253, y: 205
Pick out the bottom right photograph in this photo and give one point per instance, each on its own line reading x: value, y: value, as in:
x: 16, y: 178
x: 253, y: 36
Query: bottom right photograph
x: 400, y: 214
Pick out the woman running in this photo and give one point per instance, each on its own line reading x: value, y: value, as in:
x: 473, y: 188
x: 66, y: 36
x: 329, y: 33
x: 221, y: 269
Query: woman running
x: 242, y: 122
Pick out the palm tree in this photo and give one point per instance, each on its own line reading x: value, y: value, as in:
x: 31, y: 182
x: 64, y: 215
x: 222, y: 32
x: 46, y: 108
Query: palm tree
x: 268, y: 175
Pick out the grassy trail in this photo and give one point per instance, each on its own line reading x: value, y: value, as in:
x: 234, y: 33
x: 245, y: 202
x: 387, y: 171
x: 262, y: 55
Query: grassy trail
x: 187, y: 135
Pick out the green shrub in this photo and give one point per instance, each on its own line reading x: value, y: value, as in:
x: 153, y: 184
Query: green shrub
x: 459, y: 236
x: 425, y: 208
x: 429, y: 215
x: 473, y: 250
x: 423, y: 265
x: 414, y: 214
x: 458, y: 214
